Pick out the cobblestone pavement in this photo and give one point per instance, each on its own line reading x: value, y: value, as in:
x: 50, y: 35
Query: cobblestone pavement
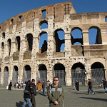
x: 14, y: 98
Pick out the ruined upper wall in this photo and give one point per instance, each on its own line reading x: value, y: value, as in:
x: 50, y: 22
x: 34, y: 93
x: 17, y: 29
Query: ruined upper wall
x: 57, y: 11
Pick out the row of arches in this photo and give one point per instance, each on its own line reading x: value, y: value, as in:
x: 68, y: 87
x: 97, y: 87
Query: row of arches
x: 59, y: 39
x: 78, y: 72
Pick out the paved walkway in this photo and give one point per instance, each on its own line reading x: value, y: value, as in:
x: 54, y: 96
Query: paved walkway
x: 14, y: 98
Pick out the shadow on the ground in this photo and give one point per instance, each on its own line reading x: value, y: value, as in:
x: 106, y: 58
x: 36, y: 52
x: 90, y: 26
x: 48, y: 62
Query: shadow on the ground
x: 99, y: 99
x: 19, y: 104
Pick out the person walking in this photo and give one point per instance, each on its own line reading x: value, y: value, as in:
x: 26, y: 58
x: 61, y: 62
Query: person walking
x: 33, y: 92
x: 77, y: 85
x: 10, y: 86
x: 90, y: 88
x: 55, y: 94
x: 27, y: 95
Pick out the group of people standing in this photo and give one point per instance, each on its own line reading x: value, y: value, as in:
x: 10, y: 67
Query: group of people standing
x: 90, y: 86
x: 29, y: 94
x: 55, y: 93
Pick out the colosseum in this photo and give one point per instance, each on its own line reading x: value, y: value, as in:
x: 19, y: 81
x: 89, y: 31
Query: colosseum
x: 54, y: 41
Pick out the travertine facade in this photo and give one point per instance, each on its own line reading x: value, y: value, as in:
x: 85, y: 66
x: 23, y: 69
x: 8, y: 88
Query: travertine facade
x: 20, y: 36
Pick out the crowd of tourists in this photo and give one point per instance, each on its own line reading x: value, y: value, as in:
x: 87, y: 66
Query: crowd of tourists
x: 53, y: 91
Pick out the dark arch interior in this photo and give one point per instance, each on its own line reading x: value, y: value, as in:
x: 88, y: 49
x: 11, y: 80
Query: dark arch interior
x: 97, y: 65
x: 42, y: 67
x: 9, y: 42
x: 59, y: 67
x: 16, y: 68
x: 6, y: 69
x: 18, y: 42
x: 78, y: 65
x: 27, y: 67
x: 30, y: 41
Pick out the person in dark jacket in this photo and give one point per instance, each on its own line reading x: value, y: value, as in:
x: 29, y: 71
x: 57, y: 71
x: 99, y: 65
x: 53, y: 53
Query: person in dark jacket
x: 10, y: 86
x: 90, y: 89
x: 27, y: 95
x: 33, y: 92
x: 56, y: 94
x: 77, y: 85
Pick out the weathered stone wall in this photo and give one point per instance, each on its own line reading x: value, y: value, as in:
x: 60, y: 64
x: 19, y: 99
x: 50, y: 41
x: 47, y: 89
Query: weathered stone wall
x: 59, y: 16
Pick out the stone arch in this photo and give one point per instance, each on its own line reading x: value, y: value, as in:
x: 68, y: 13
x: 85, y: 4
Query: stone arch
x: 97, y: 72
x: 43, y: 24
x: 18, y: 41
x: 9, y: 45
x: 43, y: 42
x: 3, y: 35
x: 42, y: 72
x: 76, y: 36
x: 26, y: 73
x: 94, y: 35
x: 78, y: 73
x: 15, y: 75
x: 59, y: 71
x: 2, y: 46
x: 29, y: 38
x: 59, y: 37
x: 6, y: 75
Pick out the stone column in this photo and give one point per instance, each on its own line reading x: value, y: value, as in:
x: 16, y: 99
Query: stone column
x: 68, y: 76
x: 13, y: 47
x: 67, y: 44
x: 33, y: 72
x: 50, y: 47
x: 104, y: 35
x: 50, y: 72
x: 88, y: 72
x: 10, y: 72
x: 106, y: 68
x: 6, y: 50
x: 20, y: 76
x: 51, y: 41
x: 2, y: 75
x: 35, y: 47
x: 85, y: 37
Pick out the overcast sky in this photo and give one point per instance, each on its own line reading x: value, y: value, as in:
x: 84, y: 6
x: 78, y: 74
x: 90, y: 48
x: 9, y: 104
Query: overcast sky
x: 9, y: 8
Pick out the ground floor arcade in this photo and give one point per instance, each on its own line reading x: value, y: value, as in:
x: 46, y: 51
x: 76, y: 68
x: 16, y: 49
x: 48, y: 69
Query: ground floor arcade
x: 43, y: 72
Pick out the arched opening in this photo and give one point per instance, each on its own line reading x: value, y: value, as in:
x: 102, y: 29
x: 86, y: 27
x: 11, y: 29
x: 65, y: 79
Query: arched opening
x: 43, y: 24
x: 18, y: 43
x: 98, y: 72
x: 29, y: 38
x: 44, y: 13
x: 59, y: 37
x: 95, y: 35
x: 6, y: 76
x: 76, y: 36
x: 2, y: 46
x: 15, y: 75
x: 9, y: 46
x: 43, y: 42
x: 59, y: 71
x: 27, y: 73
x: 78, y: 73
x: 43, y: 72
x: 3, y: 35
